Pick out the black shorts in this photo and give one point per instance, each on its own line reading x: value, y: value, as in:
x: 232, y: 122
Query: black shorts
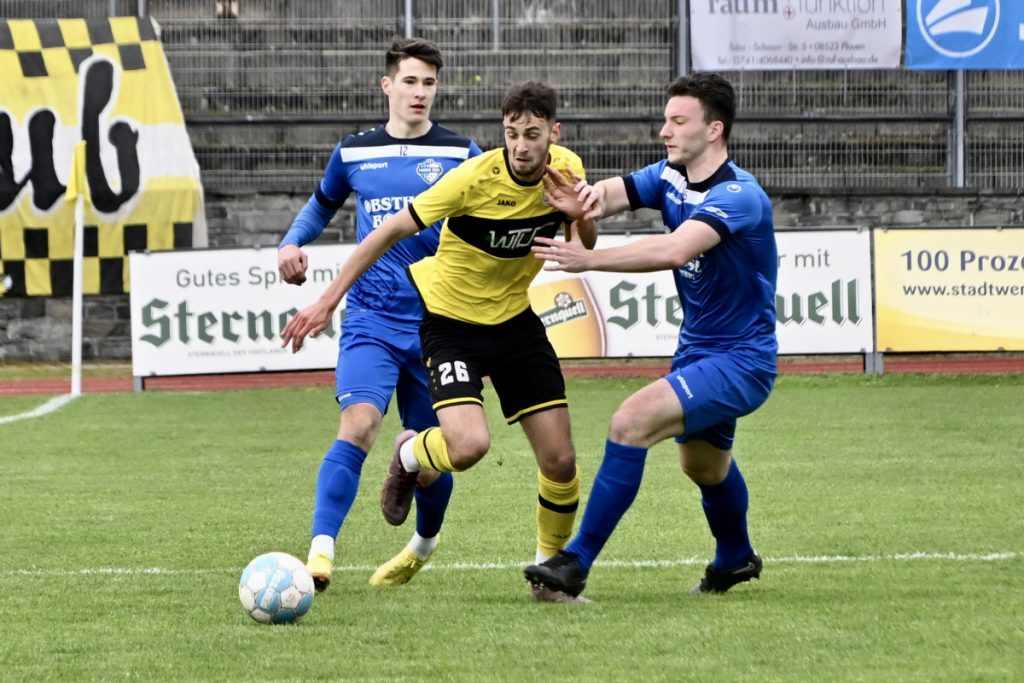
x: 515, y: 354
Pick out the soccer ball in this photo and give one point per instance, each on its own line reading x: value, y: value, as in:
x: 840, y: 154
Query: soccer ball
x: 276, y: 588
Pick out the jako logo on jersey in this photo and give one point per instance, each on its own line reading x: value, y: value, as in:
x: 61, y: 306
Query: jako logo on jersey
x: 674, y: 198
x: 958, y: 28
x: 429, y: 170
x: 715, y: 210
x: 373, y: 165
x: 733, y: 187
x: 506, y: 202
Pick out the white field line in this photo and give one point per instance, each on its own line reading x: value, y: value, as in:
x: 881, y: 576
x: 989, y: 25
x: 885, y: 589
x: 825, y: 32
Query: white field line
x: 505, y: 566
x: 50, y: 406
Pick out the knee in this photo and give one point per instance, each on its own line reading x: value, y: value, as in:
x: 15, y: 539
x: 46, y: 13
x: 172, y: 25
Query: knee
x: 628, y: 427
x: 359, y: 428
x: 698, y: 473
x: 558, y: 466
x: 467, y: 449
x: 704, y: 464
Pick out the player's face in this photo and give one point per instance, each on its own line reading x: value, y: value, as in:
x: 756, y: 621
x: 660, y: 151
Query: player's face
x: 411, y: 91
x: 685, y: 132
x: 527, y: 140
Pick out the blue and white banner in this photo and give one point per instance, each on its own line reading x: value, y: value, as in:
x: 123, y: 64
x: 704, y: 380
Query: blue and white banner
x: 965, y: 34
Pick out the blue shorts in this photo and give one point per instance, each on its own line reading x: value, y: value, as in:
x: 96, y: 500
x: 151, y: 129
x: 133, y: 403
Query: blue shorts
x: 378, y: 358
x: 716, y: 389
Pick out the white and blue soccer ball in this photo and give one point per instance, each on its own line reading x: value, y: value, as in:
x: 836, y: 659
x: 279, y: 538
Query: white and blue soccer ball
x: 276, y: 588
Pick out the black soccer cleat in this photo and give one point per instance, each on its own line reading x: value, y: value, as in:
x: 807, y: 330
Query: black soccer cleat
x: 561, y: 573
x: 720, y: 580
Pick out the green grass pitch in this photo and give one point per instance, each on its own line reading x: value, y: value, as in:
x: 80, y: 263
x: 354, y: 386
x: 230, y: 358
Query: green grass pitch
x: 888, y: 510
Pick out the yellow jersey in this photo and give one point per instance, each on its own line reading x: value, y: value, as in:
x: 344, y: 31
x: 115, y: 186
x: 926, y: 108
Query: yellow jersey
x: 483, y: 267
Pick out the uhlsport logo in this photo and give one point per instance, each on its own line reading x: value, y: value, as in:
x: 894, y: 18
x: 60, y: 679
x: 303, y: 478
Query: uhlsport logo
x: 958, y: 28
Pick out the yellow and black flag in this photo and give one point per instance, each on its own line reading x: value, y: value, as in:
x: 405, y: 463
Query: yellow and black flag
x: 105, y: 82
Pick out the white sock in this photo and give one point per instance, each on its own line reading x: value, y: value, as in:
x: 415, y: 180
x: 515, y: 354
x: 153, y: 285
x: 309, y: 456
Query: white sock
x: 409, y: 461
x: 422, y: 547
x: 540, y: 557
x: 322, y: 543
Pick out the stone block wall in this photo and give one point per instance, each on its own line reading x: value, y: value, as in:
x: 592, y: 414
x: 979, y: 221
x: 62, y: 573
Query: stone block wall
x: 39, y: 329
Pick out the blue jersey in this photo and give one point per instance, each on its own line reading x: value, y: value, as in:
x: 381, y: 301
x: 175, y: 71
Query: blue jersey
x: 385, y: 173
x: 727, y: 293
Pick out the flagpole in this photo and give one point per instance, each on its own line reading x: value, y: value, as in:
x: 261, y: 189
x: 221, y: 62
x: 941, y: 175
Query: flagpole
x: 78, y: 178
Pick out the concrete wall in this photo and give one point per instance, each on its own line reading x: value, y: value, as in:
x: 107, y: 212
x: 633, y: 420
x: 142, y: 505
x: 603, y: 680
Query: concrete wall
x: 40, y: 328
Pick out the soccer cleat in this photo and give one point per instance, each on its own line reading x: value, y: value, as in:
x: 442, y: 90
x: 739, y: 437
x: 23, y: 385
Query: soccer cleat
x: 396, y: 494
x: 320, y: 566
x: 719, y: 580
x: 399, y: 569
x: 561, y: 574
x: 542, y: 594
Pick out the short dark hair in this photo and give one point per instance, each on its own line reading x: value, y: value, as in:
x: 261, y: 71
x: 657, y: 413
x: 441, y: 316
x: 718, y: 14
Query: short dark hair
x: 404, y: 48
x: 531, y: 97
x: 715, y: 94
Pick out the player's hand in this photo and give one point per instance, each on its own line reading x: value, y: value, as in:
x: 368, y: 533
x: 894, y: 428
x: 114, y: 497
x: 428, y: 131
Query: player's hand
x: 310, y: 320
x: 570, y: 256
x: 562, y: 194
x: 592, y: 199
x: 292, y: 263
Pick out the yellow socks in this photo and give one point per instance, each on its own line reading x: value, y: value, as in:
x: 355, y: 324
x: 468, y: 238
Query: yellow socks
x: 556, y: 512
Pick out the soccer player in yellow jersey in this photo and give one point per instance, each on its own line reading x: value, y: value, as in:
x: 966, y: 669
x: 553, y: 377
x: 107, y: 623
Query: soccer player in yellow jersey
x: 478, y: 321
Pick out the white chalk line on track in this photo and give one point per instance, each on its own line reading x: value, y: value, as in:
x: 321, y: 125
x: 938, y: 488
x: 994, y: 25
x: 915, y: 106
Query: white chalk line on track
x: 54, y: 404
x: 505, y: 566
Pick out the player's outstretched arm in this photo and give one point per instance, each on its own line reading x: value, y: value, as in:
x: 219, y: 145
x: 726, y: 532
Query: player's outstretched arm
x: 308, y: 225
x: 317, y: 316
x: 658, y: 252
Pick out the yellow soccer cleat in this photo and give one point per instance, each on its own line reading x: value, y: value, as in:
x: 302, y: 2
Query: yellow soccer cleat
x: 399, y: 569
x: 320, y: 566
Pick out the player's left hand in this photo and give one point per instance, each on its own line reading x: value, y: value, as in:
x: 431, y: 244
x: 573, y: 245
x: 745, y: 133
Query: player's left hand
x: 561, y: 194
x: 570, y: 255
x: 311, y: 320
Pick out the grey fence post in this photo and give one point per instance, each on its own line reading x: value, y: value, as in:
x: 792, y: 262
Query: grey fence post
x: 495, y: 25
x: 874, y: 363
x: 682, y: 37
x: 959, y: 131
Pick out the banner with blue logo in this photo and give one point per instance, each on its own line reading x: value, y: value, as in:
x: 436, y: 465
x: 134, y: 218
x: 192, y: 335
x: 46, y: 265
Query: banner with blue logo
x: 965, y: 34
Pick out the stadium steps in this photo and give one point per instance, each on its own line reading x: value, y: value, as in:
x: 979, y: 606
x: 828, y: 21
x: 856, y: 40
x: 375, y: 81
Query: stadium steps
x: 273, y: 163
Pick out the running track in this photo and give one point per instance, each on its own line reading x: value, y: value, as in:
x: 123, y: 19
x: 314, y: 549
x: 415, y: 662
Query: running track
x: 931, y: 364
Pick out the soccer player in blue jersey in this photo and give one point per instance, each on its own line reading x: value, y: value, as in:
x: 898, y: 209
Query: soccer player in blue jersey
x: 720, y: 246
x: 379, y: 353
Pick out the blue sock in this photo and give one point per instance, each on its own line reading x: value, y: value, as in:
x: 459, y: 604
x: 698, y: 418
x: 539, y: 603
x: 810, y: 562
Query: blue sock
x: 431, y: 503
x: 614, y: 489
x: 725, y: 506
x: 336, y: 487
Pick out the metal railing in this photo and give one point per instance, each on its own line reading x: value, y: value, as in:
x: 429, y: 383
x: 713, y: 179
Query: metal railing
x: 248, y: 82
